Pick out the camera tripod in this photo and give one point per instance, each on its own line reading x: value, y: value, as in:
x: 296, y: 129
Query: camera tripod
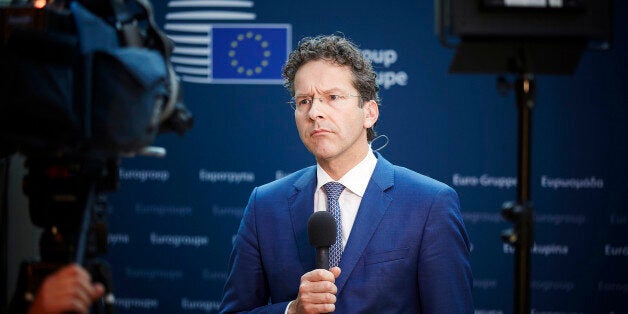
x: 521, y: 212
x: 67, y: 199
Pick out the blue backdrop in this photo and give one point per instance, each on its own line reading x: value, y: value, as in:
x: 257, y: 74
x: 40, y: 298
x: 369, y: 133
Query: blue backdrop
x: 173, y: 220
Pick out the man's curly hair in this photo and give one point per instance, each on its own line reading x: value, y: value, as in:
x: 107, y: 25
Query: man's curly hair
x: 338, y: 50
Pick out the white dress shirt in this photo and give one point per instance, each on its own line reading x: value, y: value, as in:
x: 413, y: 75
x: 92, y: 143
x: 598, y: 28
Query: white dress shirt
x: 355, y: 182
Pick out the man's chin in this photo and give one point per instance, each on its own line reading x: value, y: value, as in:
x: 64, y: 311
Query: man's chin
x: 323, y: 153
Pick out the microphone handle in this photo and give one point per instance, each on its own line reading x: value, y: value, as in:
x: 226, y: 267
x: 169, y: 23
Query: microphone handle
x: 322, y: 257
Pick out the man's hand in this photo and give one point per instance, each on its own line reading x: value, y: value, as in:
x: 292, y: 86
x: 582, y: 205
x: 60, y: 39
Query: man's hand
x: 317, y: 292
x: 70, y: 289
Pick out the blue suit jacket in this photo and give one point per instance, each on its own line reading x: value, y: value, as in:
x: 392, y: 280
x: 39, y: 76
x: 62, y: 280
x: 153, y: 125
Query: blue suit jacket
x: 408, y: 251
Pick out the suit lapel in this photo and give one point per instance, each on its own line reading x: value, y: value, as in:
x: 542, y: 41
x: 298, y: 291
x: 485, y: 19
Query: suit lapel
x: 372, y: 208
x: 301, y: 208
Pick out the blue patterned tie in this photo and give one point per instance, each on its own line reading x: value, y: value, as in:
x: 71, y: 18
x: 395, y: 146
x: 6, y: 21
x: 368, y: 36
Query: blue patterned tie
x: 333, y: 190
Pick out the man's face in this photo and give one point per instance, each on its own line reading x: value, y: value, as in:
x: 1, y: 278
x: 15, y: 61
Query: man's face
x: 333, y: 126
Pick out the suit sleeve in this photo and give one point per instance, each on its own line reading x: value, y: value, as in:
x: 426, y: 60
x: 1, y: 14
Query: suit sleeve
x: 246, y: 289
x: 445, y: 278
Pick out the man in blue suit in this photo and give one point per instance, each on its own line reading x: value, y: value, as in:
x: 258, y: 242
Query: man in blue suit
x: 404, y: 245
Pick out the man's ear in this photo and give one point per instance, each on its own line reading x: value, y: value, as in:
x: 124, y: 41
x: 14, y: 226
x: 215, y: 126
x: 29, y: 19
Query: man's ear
x: 371, y: 113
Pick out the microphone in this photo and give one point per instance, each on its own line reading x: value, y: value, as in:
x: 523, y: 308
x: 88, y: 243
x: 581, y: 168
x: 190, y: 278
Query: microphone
x: 321, y: 229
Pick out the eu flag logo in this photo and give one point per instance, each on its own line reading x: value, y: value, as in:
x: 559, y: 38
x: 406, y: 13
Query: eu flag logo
x: 248, y: 53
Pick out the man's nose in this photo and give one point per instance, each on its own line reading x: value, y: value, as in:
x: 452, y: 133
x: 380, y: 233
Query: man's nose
x: 317, y: 107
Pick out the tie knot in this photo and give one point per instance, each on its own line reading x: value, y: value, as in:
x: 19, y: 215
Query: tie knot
x: 333, y: 190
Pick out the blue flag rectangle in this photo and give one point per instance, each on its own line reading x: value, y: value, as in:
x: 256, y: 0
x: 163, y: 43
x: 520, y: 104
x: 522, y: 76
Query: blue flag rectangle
x: 248, y: 53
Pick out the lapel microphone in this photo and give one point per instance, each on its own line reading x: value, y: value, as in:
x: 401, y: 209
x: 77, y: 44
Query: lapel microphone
x: 321, y: 229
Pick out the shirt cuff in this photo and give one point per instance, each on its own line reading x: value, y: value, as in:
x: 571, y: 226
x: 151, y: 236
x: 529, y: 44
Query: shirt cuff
x: 287, y: 307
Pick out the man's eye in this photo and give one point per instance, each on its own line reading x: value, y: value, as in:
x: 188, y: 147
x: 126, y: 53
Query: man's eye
x: 303, y: 101
x: 334, y: 97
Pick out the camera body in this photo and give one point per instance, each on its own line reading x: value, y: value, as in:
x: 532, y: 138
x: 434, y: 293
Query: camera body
x: 74, y: 79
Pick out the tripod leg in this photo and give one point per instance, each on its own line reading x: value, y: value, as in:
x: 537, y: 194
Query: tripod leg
x: 100, y: 272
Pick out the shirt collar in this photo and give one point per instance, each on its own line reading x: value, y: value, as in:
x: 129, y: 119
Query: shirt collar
x: 354, y: 179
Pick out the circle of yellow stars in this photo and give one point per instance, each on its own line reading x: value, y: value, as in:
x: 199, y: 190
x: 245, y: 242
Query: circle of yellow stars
x: 259, y: 40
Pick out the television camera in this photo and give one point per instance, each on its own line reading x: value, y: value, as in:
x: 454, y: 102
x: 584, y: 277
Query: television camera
x: 84, y: 83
